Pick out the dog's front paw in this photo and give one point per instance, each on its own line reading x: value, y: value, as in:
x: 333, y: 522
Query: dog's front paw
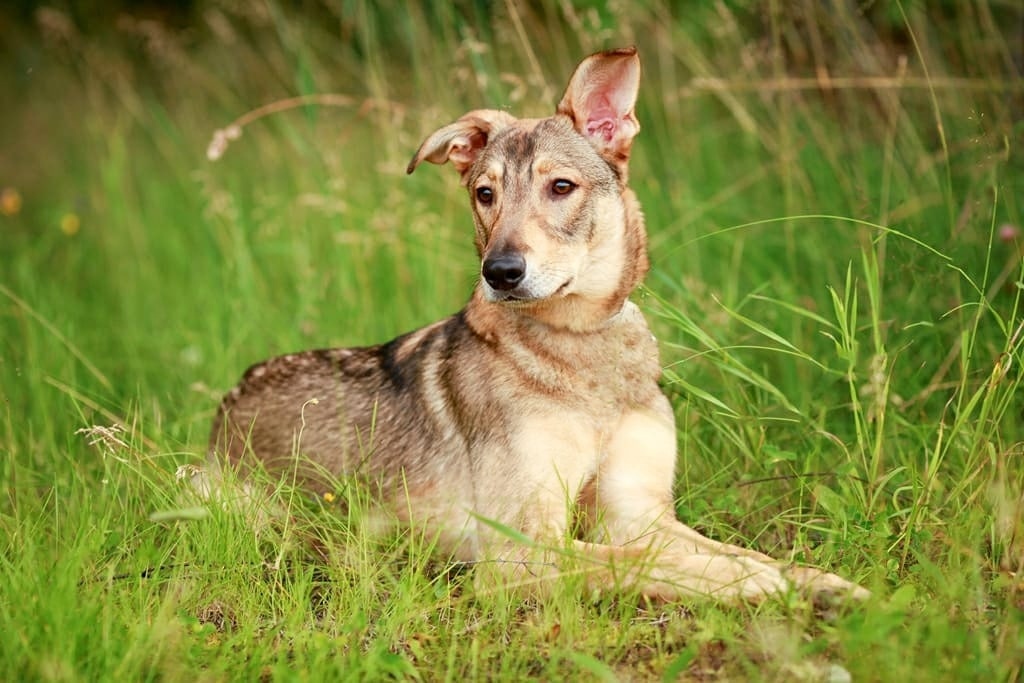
x: 725, y: 578
x: 825, y: 587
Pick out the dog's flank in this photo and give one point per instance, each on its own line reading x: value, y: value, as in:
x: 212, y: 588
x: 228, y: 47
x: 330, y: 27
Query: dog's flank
x: 537, y: 405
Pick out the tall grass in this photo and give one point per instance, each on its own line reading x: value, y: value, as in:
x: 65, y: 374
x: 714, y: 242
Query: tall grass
x: 833, y: 200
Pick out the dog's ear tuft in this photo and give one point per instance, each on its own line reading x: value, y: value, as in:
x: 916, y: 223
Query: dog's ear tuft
x: 461, y: 142
x: 600, y: 100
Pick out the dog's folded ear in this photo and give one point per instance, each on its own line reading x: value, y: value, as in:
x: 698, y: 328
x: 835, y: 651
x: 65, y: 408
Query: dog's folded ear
x: 600, y: 100
x: 461, y: 142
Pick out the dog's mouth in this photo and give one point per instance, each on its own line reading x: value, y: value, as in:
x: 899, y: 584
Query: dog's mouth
x: 511, y: 299
x: 517, y: 298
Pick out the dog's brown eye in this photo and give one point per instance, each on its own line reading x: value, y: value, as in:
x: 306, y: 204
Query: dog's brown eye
x: 562, y: 186
x: 484, y: 195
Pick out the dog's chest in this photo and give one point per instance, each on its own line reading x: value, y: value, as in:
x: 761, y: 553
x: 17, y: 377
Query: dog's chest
x: 602, y: 373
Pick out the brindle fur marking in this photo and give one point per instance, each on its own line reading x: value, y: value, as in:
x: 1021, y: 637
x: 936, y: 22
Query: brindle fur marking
x: 538, y: 403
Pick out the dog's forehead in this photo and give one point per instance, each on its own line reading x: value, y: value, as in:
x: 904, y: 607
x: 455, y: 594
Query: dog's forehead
x: 554, y: 140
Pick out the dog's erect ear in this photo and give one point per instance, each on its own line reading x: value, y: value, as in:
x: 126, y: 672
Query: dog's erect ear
x: 461, y: 142
x: 600, y: 100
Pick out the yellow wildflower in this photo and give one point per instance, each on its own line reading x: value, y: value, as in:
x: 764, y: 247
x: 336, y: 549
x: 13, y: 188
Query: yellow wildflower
x: 70, y: 224
x: 10, y: 201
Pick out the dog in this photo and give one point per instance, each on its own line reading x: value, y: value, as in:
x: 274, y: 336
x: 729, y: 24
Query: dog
x: 527, y: 432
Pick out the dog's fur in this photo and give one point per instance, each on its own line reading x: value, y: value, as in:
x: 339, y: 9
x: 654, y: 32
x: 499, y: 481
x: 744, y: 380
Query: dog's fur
x: 536, y: 407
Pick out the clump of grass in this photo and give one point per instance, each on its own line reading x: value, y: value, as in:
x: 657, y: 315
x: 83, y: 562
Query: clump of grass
x: 833, y: 200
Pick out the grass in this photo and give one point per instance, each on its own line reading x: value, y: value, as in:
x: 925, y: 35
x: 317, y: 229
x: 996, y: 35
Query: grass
x: 834, y: 208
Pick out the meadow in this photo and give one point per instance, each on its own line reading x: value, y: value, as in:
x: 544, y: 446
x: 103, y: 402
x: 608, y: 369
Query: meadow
x: 833, y: 193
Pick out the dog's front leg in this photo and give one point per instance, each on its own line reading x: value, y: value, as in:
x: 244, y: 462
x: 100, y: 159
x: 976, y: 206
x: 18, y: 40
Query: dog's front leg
x: 523, y: 519
x: 523, y: 500
x: 630, y: 505
x: 633, y: 498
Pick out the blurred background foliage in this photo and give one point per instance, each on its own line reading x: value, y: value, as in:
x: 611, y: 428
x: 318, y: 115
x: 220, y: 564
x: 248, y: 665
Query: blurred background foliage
x: 901, y: 114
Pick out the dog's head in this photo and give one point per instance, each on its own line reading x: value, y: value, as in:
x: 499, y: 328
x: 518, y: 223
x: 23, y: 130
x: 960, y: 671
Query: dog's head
x: 557, y: 230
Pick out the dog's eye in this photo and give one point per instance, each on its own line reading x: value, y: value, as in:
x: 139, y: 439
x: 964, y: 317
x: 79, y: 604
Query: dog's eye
x: 562, y: 186
x: 484, y: 195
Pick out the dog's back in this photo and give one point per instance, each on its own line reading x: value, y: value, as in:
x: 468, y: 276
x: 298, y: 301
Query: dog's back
x: 375, y: 414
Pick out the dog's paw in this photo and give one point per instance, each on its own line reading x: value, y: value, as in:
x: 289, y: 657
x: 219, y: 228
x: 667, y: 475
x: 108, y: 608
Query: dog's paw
x: 824, y: 587
x: 725, y: 578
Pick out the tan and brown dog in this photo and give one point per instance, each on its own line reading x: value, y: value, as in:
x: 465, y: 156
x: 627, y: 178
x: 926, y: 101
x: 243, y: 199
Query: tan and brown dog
x: 537, y: 407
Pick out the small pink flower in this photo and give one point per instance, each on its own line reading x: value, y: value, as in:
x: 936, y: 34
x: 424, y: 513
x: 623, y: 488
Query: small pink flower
x: 1008, y: 232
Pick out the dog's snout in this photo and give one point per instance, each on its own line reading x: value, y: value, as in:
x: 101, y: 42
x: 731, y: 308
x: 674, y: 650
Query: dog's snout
x: 505, y: 271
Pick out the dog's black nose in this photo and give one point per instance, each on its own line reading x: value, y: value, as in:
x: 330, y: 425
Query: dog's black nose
x: 504, y: 271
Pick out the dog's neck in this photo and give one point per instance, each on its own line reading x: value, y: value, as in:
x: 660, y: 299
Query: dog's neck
x: 614, y: 362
